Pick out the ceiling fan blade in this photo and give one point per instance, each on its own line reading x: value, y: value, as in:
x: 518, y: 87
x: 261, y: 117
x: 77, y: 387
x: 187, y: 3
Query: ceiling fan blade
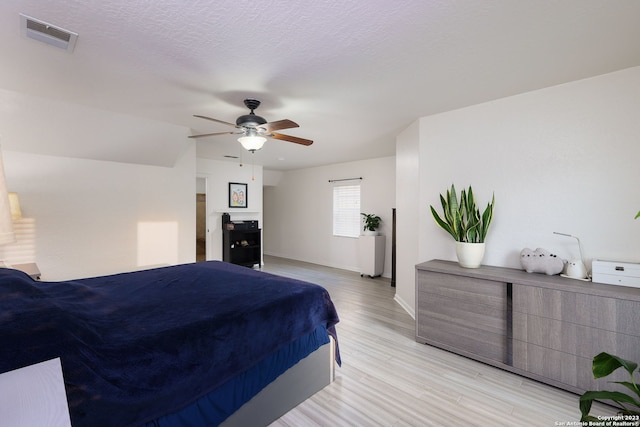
x: 215, y: 120
x: 290, y: 138
x: 212, y: 134
x: 280, y: 124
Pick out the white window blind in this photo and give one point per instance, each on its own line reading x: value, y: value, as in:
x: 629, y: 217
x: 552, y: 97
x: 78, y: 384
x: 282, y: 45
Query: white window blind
x: 346, y: 210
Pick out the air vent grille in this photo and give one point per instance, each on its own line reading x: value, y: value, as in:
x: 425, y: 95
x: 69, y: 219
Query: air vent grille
x: 48, y: 30
x: 48, y: 33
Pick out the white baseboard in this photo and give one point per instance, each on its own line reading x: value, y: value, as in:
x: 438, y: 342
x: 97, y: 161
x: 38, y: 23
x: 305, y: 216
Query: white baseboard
x: 405, y: 306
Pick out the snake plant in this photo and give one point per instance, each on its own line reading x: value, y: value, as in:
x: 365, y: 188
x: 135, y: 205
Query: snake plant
x: 603, y: 365
x: 461, y: 217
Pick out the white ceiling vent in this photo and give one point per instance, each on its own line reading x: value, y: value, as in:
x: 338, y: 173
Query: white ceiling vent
x: 48, y: 33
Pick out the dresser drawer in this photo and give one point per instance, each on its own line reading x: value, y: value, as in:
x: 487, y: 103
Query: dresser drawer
x: 463, y: 314
x: 461, y: 288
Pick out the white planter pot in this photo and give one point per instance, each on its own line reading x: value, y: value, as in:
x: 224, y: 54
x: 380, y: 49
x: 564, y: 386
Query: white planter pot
x: 470, y: 254
x: 370, y: 233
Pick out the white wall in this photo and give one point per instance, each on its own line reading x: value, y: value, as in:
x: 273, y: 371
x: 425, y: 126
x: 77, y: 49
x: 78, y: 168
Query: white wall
x: 561, y: 159
x: 98, y: 217
x: 218, y: 175
x: 298, y: 212
x: 407, y: 214
x: 32, y: 124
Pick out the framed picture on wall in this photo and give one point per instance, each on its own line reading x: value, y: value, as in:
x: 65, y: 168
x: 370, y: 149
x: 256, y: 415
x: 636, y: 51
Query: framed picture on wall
x: 237, y: 195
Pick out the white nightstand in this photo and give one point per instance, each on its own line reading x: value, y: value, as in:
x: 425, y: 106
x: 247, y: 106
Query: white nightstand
x: 30, y: 268
x: 34, y: 396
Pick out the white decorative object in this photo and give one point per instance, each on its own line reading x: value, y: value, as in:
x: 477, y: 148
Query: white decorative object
x: 576, y: 269
x: 541, y: 261
x: 470, y: 254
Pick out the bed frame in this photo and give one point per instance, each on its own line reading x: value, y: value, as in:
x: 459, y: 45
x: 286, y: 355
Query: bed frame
x: 296, y: 385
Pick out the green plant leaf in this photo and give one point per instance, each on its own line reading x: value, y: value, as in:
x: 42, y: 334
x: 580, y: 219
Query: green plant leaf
x: 637, y: 215
x: 471, y: 202
x: 371, y: 221
x: 450, y: 217
x: 473, y: 229
x: 487, y: 217
x: 585, y: 408
x: 605, y: 363
x: 631, y: 386
x: 454, y: 211
x: 446, y: 211
x: 442, y: 223
x: 616, y: 396
x: 472, y: 235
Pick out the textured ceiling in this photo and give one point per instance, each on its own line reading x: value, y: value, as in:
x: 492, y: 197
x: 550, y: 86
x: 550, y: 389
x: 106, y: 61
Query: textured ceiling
x: 352, y: 74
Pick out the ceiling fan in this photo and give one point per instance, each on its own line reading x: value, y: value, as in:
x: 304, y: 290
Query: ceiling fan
x: 255, y: 130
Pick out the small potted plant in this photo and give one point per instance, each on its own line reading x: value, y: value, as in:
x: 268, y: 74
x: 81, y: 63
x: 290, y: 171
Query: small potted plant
x: 462, y: 220
x: 371, y: 224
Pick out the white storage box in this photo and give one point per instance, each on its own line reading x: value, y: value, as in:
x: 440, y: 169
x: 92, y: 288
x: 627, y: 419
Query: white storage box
x: 616, y: 273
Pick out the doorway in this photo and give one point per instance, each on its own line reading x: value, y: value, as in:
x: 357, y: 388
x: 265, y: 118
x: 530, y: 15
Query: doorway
x: 201, y: 219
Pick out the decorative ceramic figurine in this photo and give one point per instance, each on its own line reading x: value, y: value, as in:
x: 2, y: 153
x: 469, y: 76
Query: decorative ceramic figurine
x: 541, y: 261
x: 576, y: 269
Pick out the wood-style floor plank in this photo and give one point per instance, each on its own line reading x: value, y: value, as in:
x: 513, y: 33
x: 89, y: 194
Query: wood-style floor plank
x: 388, y: 379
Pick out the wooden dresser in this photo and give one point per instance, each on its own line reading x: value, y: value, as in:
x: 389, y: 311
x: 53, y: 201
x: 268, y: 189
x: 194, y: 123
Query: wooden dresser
x: 547, y: 328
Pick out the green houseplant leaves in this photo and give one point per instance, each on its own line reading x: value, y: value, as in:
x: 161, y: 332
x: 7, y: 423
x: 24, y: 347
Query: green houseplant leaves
x: 461, y: 217
x: 603, y: 365
x: 371, y: 222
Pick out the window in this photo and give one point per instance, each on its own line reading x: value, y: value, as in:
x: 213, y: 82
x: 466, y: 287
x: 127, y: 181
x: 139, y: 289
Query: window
x: 346, y: 210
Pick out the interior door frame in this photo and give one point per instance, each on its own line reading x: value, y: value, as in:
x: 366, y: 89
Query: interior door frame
x: 207, y: 243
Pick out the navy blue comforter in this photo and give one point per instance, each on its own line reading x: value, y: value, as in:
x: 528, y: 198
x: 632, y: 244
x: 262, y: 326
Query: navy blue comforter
x: 135, y: 346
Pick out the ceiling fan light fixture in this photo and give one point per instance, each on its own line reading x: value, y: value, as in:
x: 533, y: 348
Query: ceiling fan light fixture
x: 252, y: 142
x: 255, y: 129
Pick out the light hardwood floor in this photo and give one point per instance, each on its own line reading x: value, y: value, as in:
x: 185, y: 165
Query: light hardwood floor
x: 388, y: 379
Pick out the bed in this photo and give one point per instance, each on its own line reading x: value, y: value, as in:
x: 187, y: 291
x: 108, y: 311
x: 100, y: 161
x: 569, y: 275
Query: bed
x: 195, y: 344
